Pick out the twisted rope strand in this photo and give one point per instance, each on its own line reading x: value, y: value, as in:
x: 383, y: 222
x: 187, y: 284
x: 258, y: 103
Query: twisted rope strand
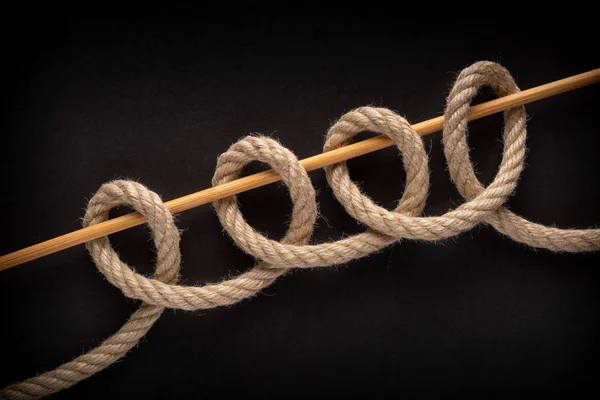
x: 483, y: 205
x: 166, y: 240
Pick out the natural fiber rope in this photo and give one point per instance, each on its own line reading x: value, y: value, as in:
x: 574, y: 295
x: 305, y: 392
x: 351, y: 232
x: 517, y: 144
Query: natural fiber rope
x: 484, y: 205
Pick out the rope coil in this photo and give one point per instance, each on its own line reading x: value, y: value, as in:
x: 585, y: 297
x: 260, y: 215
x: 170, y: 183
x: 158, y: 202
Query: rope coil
x: 483, y: 205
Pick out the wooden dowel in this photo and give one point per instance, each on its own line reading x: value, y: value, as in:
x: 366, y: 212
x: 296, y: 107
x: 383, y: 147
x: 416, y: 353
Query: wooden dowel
x: 315, y: 162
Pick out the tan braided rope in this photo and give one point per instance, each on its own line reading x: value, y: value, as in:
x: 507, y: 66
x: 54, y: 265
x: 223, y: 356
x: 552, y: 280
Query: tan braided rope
x: 483, y: 205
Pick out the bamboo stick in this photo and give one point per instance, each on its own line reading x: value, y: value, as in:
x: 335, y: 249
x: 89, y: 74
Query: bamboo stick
x: 311, y: 163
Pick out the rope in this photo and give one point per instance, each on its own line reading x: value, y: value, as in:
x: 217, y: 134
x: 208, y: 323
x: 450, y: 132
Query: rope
x: 483, y: 205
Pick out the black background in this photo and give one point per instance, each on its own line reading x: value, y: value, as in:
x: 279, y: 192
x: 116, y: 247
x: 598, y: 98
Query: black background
x: 157, y: 100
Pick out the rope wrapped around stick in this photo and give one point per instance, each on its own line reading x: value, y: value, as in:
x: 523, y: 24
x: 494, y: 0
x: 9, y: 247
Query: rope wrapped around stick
x: 483, y: 205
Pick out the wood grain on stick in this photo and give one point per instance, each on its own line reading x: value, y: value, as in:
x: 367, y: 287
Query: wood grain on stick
x: 311, y: 163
